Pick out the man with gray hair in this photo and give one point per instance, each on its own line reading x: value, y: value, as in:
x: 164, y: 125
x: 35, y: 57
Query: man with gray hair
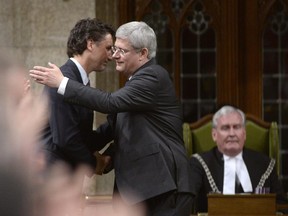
x: 150, y: 161
x: 230, y: 168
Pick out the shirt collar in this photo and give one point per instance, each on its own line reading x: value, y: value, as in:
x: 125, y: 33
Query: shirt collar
x: 83, y: 73
x: 226, y: 157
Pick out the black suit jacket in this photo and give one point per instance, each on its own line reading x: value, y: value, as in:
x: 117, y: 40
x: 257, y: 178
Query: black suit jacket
x: 256, y: 164
x: 69, y: 136
x: 150, y: 158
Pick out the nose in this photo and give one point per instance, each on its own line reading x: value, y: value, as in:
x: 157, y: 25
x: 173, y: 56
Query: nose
x: 231, y: 131
x: 116, y: 54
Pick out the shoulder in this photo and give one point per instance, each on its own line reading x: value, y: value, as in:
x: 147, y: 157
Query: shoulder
x: 70, y: 70
x: 207, y: 156
x: 158, y: 70
x: 250, y: 152
x: 155, y: 74
x: 151, y: 67
x: 255, y: 156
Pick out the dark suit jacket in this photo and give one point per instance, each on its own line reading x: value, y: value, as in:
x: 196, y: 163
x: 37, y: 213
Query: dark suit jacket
x: 150, y: 158
x: 69, y: 136
x: 256, y: 164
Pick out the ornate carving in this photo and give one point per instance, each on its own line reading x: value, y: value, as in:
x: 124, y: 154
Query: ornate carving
x: 197, y: 21
x: 278, y: 20
x: 157, y: 19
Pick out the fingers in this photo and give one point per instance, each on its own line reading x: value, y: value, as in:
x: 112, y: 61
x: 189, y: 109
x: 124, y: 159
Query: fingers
x: 52, y: 65
x: 35, y: 77
x: 51, y: 77
x: 37, y: 74
x: 102, y: 162
x: 40, y: 68
x: 39, y: 71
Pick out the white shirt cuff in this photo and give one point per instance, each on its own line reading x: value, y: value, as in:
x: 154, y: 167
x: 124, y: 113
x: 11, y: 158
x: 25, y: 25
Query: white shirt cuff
x: 62, y: 87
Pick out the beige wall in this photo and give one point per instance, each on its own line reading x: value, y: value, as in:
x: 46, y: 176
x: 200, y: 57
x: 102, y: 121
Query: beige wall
x: 36, y: 31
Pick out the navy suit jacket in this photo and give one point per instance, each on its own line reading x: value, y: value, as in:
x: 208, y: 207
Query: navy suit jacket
x: 150, y: 158
x: 256, y: 164
x: 69, y: 135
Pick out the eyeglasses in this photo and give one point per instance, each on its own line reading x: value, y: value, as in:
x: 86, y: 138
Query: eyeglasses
x: 120, y: 50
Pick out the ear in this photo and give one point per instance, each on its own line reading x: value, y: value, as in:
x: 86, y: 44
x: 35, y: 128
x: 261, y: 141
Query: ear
x: 143, y: 54
x: 90, y: 44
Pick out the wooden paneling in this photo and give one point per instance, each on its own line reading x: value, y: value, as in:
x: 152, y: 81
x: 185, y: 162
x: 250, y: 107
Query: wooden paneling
x: 238, y: 25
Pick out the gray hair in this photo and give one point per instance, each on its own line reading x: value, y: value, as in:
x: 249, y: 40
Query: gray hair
x: 140, y: 35
x: 226, y: 110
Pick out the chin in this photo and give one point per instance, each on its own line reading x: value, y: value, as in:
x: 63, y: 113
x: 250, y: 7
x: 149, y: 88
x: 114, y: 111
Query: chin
x: 119, y: 69
x: 232, y: 151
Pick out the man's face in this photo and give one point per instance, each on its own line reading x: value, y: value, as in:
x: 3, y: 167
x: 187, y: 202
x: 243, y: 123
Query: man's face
x: 230, y: 134
x: 101, y: 53
x: 126, y: 57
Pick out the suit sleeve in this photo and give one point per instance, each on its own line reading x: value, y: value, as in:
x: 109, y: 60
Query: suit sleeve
x: 139, y: 94
x: 66, y: 134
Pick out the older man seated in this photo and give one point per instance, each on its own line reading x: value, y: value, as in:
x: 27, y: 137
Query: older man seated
x: 229, y: 167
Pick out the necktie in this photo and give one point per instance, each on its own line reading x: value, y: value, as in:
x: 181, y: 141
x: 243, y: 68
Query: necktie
x: 238, y: 187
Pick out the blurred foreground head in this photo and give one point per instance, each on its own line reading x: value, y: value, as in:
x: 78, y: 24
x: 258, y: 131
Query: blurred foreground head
x: 22, y: 116
x: 24, y: 191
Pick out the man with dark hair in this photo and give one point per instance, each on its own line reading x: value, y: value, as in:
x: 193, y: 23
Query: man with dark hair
x: 69, y: 136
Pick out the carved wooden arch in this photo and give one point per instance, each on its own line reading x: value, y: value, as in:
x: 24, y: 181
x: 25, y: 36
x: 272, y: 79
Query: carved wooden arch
x: 265, y: 8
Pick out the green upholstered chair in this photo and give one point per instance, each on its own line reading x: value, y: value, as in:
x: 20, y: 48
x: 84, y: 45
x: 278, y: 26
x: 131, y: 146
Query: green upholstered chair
x: 261, y: 136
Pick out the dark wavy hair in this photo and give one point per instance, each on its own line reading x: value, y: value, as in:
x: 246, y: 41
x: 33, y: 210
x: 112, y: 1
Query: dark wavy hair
x: 86, y: 29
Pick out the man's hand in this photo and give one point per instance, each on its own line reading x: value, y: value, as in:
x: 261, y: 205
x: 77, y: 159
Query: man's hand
x: 51, y: 76
x: 103, y: 161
